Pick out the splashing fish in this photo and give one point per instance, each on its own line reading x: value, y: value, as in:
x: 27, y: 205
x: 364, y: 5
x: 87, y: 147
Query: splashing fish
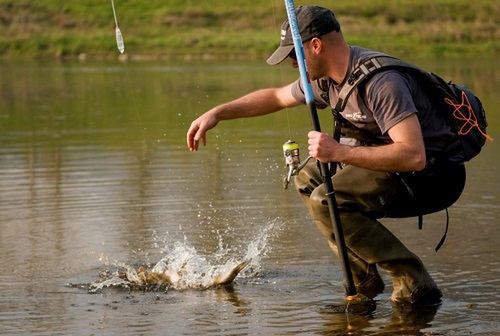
x: 171, y: 277
x: 160, y: 278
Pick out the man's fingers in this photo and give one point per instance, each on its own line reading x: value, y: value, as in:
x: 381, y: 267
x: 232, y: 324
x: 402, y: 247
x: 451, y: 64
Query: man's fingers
x: 193, y: 142
x: 190, y: 138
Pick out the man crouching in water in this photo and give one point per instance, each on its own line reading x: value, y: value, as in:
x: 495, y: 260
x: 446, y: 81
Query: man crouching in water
x: 390, y: 177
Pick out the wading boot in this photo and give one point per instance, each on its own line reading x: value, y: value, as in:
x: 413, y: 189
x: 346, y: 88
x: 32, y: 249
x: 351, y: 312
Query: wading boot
x: 412, y: 283
x: 366, y: 277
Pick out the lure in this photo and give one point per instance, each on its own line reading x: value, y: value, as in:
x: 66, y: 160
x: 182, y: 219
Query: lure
x: 118, y: 33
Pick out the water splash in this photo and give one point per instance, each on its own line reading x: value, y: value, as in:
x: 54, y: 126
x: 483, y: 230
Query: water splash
x: 258, y: 248
x: 184, y: 267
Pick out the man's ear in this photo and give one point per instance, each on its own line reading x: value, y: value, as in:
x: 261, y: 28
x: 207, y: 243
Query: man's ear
x: 316, y: 45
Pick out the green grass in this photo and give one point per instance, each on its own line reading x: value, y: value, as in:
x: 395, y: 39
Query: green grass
x: 245, y: 29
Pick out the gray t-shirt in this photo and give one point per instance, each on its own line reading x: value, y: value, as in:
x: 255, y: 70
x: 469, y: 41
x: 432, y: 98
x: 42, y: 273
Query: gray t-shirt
x: 381, y: 102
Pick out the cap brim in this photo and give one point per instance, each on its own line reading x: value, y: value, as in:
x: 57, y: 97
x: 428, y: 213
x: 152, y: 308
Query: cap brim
x: 279, y: 55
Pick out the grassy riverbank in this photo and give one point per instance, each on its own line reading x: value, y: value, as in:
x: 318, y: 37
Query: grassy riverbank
x: 155, y: 29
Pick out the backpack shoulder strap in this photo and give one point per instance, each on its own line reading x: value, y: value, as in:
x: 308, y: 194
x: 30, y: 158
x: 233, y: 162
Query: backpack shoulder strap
x: 367, y: 69
x: 370, y: 67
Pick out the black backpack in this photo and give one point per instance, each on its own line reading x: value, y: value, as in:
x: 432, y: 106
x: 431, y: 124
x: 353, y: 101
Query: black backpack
x: 462, y: 110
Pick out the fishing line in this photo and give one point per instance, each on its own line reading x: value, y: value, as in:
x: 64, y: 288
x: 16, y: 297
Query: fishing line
x: 281, y: 70
x: 121, y: 47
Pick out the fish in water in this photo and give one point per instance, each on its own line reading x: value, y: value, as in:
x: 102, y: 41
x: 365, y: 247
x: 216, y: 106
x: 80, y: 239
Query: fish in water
x: 142, y: 277
x: 156, y: 279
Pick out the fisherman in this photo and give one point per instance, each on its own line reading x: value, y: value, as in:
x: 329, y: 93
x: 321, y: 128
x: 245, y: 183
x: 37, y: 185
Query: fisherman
x: 400, y: 172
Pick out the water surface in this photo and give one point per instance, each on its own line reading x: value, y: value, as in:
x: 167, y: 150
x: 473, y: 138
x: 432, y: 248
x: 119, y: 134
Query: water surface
x: 95, y: 175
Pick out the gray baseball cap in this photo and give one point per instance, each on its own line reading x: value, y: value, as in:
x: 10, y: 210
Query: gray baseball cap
x: 313, y: 22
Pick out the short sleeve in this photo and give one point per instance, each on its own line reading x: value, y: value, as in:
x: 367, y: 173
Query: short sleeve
x: 318, y: 93
x: 389, y: 97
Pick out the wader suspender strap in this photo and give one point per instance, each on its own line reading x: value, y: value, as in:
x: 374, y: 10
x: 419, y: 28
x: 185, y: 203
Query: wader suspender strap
x: 366, y: 69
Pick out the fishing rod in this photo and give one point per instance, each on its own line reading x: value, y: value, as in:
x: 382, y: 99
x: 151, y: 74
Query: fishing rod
x: 324, y: 167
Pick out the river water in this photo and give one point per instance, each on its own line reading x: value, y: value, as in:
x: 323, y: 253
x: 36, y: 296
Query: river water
x: 95, y: 177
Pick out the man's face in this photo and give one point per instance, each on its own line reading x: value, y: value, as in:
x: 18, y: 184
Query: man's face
x: 313, y: 64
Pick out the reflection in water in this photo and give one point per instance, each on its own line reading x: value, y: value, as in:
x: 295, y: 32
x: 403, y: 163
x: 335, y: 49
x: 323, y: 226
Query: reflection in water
x: 402, y: 319
x: 79, y: 173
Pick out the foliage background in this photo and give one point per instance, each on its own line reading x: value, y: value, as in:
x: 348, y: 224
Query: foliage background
x: 157, y: 29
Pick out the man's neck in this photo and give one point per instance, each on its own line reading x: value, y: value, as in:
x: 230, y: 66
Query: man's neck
x: 340, y: 59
